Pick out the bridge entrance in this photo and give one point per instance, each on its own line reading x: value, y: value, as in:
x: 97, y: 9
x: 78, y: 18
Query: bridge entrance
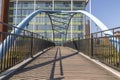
x: 21, y: 44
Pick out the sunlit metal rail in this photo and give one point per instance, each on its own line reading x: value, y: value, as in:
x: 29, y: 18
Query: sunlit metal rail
x: 24, y: 46
x: 99, y: 46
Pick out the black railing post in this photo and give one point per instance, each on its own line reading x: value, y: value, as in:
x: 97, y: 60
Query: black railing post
x: 42, y: 43
x: 31, y: 52
x: 91, y: 45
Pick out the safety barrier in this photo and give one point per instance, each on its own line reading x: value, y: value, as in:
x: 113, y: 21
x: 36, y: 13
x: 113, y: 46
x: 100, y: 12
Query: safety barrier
x: 25, y: 45
x: 100, y: 46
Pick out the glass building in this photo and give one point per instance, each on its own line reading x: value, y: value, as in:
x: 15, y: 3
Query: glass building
x: 19, y: 9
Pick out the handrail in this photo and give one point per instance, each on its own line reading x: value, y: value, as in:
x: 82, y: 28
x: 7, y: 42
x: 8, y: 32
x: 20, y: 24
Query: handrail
x: 100, y: 47
x: 19, y: 47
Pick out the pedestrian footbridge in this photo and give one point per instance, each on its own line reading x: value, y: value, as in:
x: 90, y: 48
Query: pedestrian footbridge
x: 25, y: 55
x: 62, y: 63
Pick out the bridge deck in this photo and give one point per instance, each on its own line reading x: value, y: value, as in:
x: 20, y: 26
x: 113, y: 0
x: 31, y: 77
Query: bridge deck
x: 64, y: 64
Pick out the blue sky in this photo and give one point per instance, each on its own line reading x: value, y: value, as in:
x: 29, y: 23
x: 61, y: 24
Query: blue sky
x: 108, y: 11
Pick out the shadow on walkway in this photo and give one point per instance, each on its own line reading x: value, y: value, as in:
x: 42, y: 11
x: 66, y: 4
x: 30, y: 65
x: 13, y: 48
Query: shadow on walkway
x: 58, y: 54
x: 25, y: 69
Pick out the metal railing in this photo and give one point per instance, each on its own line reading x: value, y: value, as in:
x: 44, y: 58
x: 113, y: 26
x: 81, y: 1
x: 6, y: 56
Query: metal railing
x: 101, y: 46
x: 24, y: 46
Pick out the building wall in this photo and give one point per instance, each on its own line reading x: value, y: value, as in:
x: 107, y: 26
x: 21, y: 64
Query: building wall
x: 41, y: 24
x: 4, y: 6
x: 0, y: 8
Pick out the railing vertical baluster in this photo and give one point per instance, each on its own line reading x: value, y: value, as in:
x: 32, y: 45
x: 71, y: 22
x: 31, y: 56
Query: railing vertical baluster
x: 24, y: 56
x: 4, y: 56
x: 111, y: 52
x: 116, y: 55
x: 8, y: 54
x: 31, y: 52
x: 13, y: 51
x: 104, y: 47
x: 92, y: 44
x: 119, y: 55
x: 18, y: 47
x: 2, y: 63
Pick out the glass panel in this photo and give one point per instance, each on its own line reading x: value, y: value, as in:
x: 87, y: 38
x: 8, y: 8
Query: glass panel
x: 48, y: 4
x: 78, y: 4
x: 62, y: 5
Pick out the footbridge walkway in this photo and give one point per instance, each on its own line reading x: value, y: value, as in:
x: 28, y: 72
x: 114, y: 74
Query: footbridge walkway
x: 62, y: 63
x: 25, y: 55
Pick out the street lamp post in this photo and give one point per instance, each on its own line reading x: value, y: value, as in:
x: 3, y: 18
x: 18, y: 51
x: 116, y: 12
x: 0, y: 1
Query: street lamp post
x: 53, y: 4
x: 90, y: 10
x: 34, y: 20
x: 16, y: 8
x: 71, y: 19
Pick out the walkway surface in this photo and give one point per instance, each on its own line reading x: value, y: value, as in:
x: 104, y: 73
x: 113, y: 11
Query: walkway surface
x: 62, y: 63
